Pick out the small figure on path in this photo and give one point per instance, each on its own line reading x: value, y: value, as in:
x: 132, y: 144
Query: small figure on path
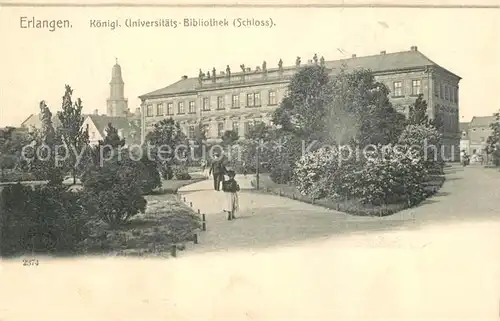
x: 464, y: 158
x: 204, y: 167
x: 245, y: 170
x: 217, y: 169
x: 231, y: 189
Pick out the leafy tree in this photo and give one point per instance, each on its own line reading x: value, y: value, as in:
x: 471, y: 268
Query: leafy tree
x: 165, y: 137
x: 45, y: 156
x: 113, y: 189
x: 493, y: 141
x: 349, y: 107
x: 361, y: 111
x: 229, y: 137
x: 303, y: 110
x: 112, y: 139
x: 73, y: 135
x: 418, y: 112
x: 11, y: 144
x: 418, y: 115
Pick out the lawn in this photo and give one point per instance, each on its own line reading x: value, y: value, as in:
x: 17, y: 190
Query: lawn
x: 171, y: 186
x: 350, y: 206
x: 167, y: 222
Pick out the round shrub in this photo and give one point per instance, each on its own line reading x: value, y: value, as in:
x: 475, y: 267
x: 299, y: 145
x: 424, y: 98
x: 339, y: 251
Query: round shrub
x: 113, y: 192
x: 426, y: 142
x: 312, y: 172
x: 391, y: 176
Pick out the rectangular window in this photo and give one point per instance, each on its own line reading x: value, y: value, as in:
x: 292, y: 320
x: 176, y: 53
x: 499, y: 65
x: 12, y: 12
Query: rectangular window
x: 191, y: 131
x: 398, y: 89
x: 256, y: 99
x: 250, y: 101
x: 441, y: 91
x: 159, y: 109
x: 180, y: 108
x: 236, y: 127
x: 272, y: 98
x: 446, y: 93
x: 192, y: 107
x: 206, y: 103
x: 236, y: 101
x: 170, y: 109
x: 436, y: 89
x: 247, y: 127
x: 220, y: 129
x: 456, y: 95
x: 415, y: 87
x: 452, y: 94
x: 253, y: 100
x: 149, y: 111
x: 220, y: 102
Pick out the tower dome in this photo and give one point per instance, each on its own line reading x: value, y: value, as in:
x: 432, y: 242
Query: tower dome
x: 116, y: 73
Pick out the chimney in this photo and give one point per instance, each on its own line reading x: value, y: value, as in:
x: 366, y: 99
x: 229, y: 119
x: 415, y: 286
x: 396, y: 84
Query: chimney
x: 96, y: 112
x: 383, y: 52
x: 184, y: 77
x: 353, y: 55
x: 414, y: 48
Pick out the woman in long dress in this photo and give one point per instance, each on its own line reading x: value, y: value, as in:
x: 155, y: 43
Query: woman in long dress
x: 231, y: 189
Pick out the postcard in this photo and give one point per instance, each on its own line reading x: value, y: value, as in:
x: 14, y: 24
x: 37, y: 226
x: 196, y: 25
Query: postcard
x: 241, y: 161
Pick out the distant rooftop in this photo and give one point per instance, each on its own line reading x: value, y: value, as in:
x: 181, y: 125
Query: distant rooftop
x: 482, y: 121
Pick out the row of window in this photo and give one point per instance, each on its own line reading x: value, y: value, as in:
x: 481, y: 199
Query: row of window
x: 221, y: 128
x: 416, y: 88
x: 446, y: 92
x: 252, y: 100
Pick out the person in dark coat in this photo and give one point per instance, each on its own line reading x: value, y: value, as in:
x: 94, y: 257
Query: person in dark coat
x: 218, y: 170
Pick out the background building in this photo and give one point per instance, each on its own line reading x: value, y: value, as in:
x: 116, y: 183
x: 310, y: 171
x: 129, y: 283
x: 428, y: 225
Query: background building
x: 475, y: 133
x: 233, y: 100
x: 118, y: 115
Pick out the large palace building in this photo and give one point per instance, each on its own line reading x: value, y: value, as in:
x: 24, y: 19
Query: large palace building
x: 233, y: 100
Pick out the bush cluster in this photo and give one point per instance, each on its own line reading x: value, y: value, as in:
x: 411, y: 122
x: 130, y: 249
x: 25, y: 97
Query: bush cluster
x: 113, y: 192
x: 43, y: 219
x: 383, y: 178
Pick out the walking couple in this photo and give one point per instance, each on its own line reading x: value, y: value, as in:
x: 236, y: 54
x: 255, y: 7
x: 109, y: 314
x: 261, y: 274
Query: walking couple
x: 230, y: 186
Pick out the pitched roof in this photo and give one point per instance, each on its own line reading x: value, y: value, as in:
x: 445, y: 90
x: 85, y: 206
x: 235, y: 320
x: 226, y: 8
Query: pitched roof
x: 376, y: 63
x: 386, y: 62
x: 482, y: 121
x: 28, y: 118
x: 130, y: 130
x: 55, y: 120
x: 181, y: 86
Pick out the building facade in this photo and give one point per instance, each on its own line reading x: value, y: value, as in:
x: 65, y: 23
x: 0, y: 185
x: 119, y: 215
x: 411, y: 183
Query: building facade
x: 233, y: 101
x: 475, y: 133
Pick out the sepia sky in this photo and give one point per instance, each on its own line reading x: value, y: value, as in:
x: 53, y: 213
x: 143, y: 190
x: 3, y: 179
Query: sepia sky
x: 36, y: 64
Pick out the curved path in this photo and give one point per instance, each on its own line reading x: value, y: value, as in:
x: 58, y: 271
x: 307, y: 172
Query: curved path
x: 285, y: 260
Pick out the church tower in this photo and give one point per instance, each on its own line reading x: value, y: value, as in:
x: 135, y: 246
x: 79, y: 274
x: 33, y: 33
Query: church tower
x: 117, y: 104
